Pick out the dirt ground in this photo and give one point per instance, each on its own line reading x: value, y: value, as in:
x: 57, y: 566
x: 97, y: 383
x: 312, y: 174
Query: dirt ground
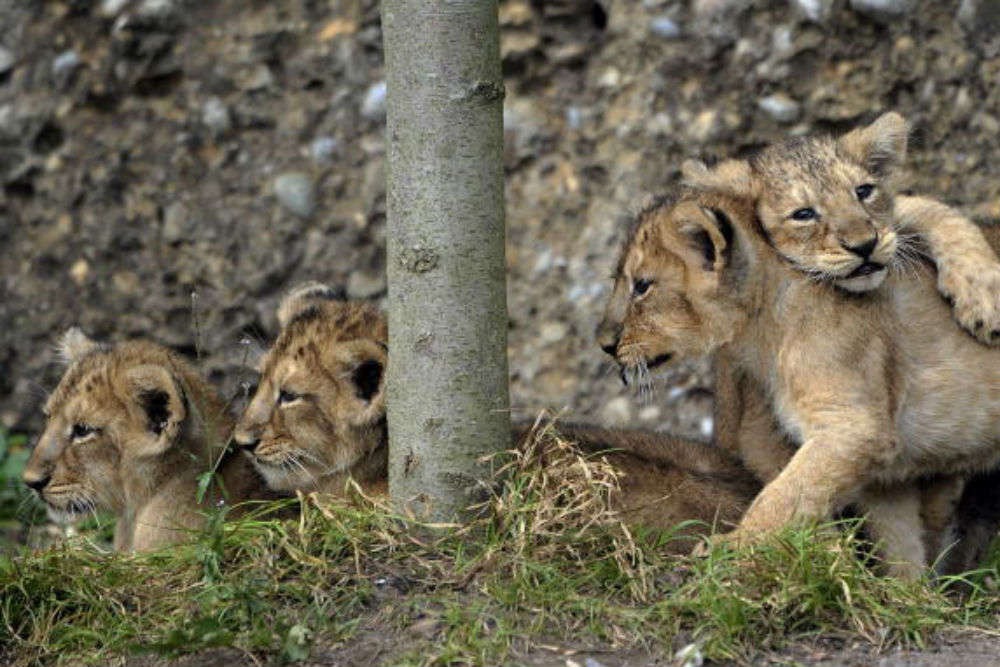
x: 372, y: 649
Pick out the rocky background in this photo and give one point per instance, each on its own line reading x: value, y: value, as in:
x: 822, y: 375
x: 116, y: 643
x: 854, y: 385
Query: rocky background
x: 170, y: 167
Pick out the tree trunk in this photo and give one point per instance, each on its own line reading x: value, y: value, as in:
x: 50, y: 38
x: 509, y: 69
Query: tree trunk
x: 448, y: 399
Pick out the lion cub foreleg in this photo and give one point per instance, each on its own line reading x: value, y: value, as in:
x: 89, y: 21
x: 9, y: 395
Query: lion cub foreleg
x: 843, y: 413
x: 968, y: 270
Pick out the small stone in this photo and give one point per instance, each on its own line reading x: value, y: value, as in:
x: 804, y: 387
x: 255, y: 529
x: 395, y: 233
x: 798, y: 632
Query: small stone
x: 569, y: 53
x: 816, y: 11
x: 109, y: 9
x: 365, y: 285
x: 64, y: 66
x: 79, y: 271
x: 704, y: 125
x: 706, y: 426
x: 660, y: 124
x: 215, y: 116
x: 373, y: 105
x: 574, y: 117
x: 665, y: 27
x: 980, y: 15
x: 296, y: 193
x: 610, y: 78
x: 518, y: 43
x: 984, y: 122
x: 175, y: 219
x: 6, y: 60
x: 552, y: 332
x: 591, y: 662
x: 689, y: 656
x: 515, y: 14
x: 783, y: 41
x: 157, y: 9
x: 617, y: 411
x: 884, y: 11
x: 713, y: 8
x: 322, y: 149
x: 649, y: 413
x: 780, y: 107
x: 259, y: 78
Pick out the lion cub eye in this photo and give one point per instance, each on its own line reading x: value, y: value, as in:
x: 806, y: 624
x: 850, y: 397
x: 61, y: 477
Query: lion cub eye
x: 864, y: 191
x: 804, y: 214
x: 640, y: 286
x: 286, y: 397
x: 81, y: 431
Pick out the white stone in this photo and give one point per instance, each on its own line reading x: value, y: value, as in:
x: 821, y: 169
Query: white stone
x: 649, y: 413
x: 6, y: 60
x: 665, y: 27
x: 816, y: 11
x: 296, y: 193
x: 373, y: 104
x: 111, y: 8
x: 65, y: 63
x: 552, y: 332
x: 215, y: 115
x: 617, y: 411
x: 780, y: 107
x: 322, y: 149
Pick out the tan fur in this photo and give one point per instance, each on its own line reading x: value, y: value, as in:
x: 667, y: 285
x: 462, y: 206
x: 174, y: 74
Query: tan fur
x: 665, y: 481
x: 317, y: 443
x: 332, y: 429
x: 875, y: 386
x: 129, y: 428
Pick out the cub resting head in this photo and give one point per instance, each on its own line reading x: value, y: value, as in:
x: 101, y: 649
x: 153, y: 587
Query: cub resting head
x: 129, y: 428
x: 318, y: 414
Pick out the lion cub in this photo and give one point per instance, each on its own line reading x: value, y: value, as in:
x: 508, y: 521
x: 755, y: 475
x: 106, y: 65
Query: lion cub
x: 871, y: 389
x: 129, y: 429
x: 318, y: 418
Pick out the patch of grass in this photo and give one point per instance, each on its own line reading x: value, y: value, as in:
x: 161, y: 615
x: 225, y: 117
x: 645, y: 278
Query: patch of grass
x: 546, y: 562
x: 18, y: 508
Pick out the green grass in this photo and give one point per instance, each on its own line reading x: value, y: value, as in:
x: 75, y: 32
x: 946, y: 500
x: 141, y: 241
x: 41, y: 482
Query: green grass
x: 545, y: 563
x: 15, y: 499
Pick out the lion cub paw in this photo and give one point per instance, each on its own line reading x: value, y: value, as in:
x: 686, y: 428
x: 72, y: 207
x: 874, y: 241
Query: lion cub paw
x: 973, y: 290
x: 734, y: 539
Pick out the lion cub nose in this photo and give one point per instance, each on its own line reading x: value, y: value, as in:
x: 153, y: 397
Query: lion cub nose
x: 863, y: 249
x: 608, y: 338
x: 246, y: 442
x: 37, y: 483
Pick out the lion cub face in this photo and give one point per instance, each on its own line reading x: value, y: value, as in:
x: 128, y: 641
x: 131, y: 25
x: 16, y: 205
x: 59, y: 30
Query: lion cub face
x: 319, y: 406
x: 111, y: 405
x: 671, y: 299
x: 825, y: 205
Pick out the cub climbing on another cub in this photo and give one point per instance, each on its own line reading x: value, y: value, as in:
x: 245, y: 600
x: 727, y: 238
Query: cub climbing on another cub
x: 318, y: 419
x: 129, y: 429
x: 851, y: 397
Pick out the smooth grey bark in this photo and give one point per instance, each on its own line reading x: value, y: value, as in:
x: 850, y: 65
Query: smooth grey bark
x: 447, y: 384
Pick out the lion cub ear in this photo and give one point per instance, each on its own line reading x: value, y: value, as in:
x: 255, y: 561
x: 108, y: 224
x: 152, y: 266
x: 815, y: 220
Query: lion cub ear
x: 707, y: 232
x: 304, y: 296
x: 364, y: 362
x: 160, y: 400
x: 730, y: 177
x: 74, y: 345
x: 881, y: 146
